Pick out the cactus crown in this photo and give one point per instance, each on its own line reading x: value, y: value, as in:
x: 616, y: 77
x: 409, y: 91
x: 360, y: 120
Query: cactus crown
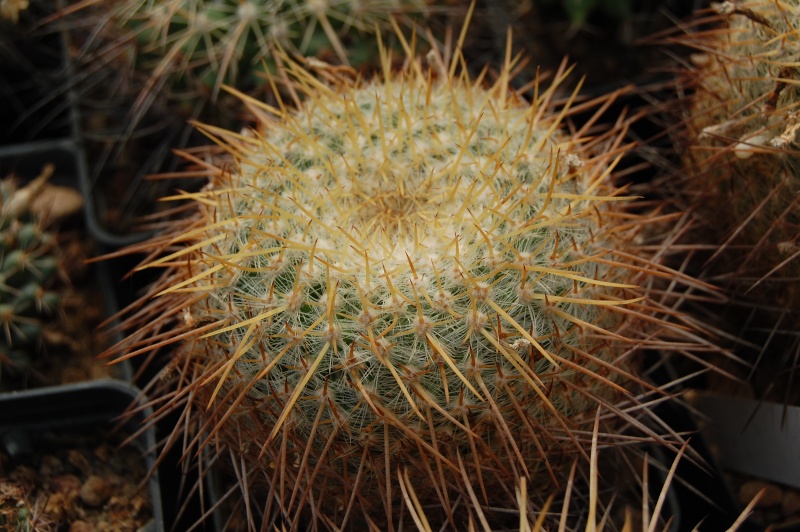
x: 411, y: 274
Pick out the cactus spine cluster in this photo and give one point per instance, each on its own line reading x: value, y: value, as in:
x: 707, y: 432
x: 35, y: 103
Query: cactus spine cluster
x: 414, y: 277
x: 27, y: 271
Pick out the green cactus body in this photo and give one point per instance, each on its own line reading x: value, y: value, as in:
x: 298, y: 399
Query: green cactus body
x: 413, y: 276
x: 743, y: 124
x: 27, y: 270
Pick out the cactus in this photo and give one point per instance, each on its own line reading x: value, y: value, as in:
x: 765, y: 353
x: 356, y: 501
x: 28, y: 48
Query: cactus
x: 17, y: 513
x: 742, y: 163
x: 210, y: 42
x: 410, y: 277
x: 744, y: 124
x: 27, y: 271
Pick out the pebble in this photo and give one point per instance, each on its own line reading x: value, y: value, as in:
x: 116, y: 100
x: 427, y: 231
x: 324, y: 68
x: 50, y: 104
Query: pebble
x: 95, y: 491
x: 772, y: 495
x: 23, y: 475
x: 56, y: 203
x: 103, y: 453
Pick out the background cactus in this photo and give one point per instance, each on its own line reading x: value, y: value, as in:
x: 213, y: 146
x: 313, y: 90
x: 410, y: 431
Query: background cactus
x: 200, y: 44
x: 743, y: 174
x: 28, y: 270
x: 414, y: 277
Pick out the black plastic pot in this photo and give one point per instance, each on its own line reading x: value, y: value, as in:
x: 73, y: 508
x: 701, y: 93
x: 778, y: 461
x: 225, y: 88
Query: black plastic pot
x: 32, y: 420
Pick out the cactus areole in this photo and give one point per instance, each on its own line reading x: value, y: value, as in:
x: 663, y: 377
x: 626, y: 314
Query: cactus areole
x: 417, y: 278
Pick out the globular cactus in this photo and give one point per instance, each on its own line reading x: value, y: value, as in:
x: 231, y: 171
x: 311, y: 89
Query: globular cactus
x: 410, y: 279
x: 28, y: 269
x: 743, y: 172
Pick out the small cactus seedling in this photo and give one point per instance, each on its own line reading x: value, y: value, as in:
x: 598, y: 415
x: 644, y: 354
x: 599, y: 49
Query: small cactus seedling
x: 27, y: 271
x: 18, y: 513
x: 410, y: 279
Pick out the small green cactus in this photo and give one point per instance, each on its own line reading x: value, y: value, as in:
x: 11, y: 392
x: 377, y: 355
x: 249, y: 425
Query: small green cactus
x: 17, y: 513
x: 27, y: 271
x: 410, y: 277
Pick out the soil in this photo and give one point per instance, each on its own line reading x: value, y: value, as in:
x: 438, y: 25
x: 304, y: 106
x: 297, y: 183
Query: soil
x: 81, y: 482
